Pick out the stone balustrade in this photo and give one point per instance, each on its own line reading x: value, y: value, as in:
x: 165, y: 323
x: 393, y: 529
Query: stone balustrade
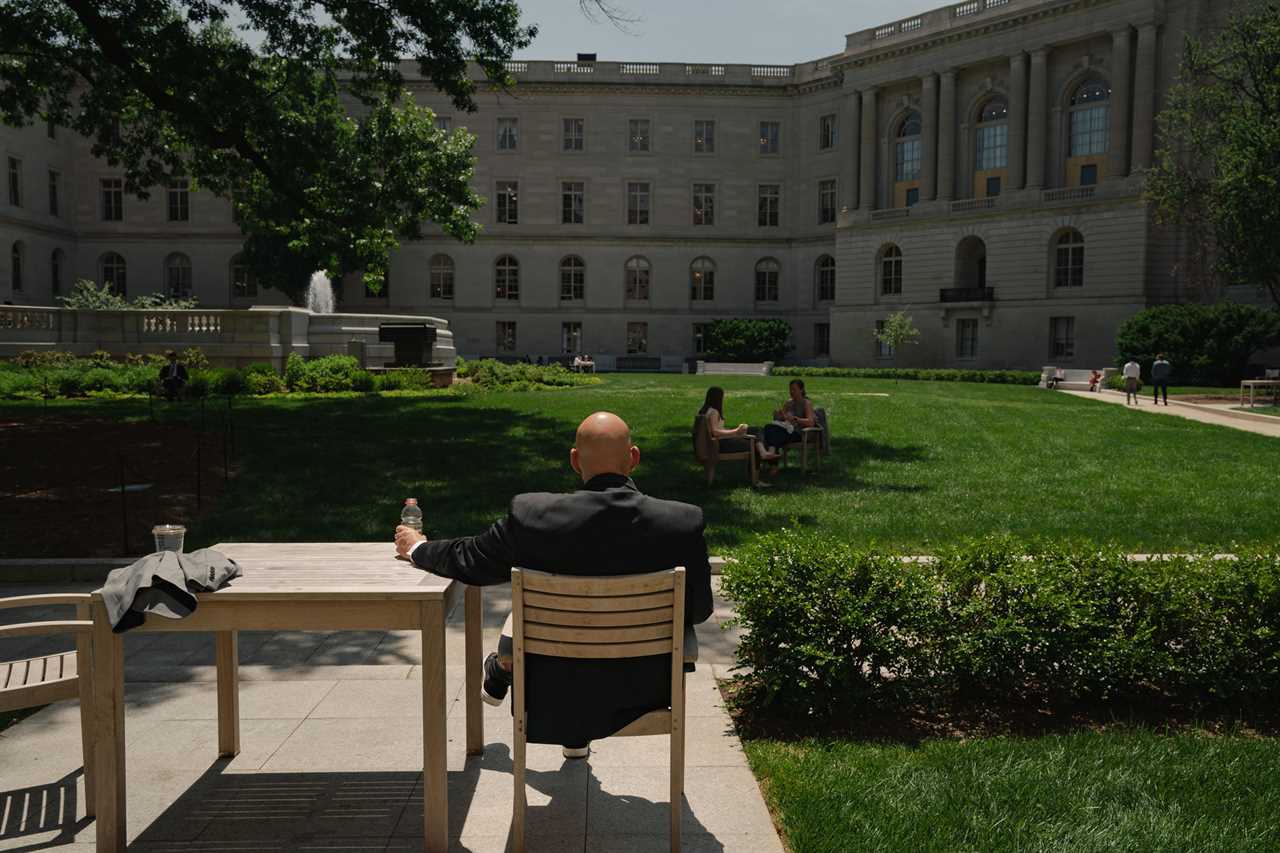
x: 228, y: 337
x: 932, y: 22
x: 689, y: 73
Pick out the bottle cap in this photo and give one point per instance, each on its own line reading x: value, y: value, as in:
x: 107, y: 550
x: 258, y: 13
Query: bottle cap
x: 410, y: 501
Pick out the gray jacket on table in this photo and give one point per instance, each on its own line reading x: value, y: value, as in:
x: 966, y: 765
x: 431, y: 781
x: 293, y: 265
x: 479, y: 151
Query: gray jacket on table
x: 163, y: 583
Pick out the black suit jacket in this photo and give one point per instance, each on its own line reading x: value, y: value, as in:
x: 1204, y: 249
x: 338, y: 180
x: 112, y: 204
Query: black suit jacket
x: 606, y: 528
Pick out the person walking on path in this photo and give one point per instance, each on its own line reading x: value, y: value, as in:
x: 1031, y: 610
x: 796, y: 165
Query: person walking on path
x: 1131, y: 374
x: 1160, y: 379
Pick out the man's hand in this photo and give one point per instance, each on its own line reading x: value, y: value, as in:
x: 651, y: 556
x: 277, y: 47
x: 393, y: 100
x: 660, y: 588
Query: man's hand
x: 406, y: 539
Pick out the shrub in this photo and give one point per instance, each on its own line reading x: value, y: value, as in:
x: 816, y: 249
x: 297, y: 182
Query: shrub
x: 1205, y: 344
x: 294, y: 371
x: 194, y: 358
x: 44, y: 359
x: 261, y: 383
x: 86, y: 295
x: 491, y: 374
x: 101, y: 379
x: 68, y: 383
x: 1000, y: 377
x: 261, y: 367
x: 747, y: 340
x: 393, y: 381
x: 330, y: 373
x: 363, y: 381
x: 831, y: 629
x: 199, y: 384
x: 227, y: 382
x: 15, y: 385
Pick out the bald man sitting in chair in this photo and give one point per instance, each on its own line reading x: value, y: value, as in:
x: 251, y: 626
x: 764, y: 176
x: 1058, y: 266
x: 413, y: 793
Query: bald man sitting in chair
x: 605, y: 528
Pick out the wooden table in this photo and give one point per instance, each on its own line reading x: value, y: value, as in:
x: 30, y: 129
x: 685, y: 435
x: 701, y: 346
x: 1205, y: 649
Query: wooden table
x: 300, y: 587
x: 1254, y: 384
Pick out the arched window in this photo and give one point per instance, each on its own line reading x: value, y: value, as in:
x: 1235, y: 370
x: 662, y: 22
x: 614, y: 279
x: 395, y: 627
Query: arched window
x: 16, y: 263
x: 702, y: 280
x: 244, y: 284
x: 177, y: 276
x: 890, y: 270
x: 1090, y: 119
x: 638, y: 273
x: 57, y: 261
x: 573, y: 279
x: 993, y: 135
x: 908, y: 148
x: 506, y: 279
x: 441, y: 277
x: 971, y: 264
x: 113, y: 273
x: 767, y: 280
x: 1068, y: 268
x: 824, y: 275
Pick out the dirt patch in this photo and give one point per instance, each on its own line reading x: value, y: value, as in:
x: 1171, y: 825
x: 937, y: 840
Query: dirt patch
x: 61, y: 478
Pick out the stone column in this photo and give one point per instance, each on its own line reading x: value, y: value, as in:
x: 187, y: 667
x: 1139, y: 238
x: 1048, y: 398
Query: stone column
x: 849, y: 116
x: 1121, y: 63
x: 867, y: 183
x: 1144, y: 96
x: 929, y: 137
x: 1017, y: 120
x: 1036, y: 118
x: 947, y: 136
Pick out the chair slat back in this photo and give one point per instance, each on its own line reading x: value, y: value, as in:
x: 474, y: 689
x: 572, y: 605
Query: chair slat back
x: 598, y: 617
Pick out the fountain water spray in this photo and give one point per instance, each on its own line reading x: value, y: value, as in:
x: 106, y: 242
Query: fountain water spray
x: 320, y: 293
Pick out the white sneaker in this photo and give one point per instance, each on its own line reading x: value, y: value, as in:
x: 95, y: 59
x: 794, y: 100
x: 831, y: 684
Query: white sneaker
x: 576, y: 752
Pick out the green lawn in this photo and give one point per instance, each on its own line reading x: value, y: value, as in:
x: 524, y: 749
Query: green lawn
x: 1132, y: 790
x: 916, y: 464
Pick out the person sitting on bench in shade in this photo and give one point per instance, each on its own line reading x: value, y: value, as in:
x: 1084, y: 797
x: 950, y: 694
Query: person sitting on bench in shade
x: 173, y: 376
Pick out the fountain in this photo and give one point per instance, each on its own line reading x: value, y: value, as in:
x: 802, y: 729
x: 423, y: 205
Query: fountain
x: 320, y: 294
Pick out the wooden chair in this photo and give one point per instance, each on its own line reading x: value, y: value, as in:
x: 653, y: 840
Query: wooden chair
x: 707, y: 451
x: 600, y: 617
x: 38, y: 681
x: 816, y: 437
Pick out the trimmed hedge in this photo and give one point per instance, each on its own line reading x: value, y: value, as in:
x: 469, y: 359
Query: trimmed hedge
x: 491, y: 375
x: 1000, y: 377
x: 831, y: 628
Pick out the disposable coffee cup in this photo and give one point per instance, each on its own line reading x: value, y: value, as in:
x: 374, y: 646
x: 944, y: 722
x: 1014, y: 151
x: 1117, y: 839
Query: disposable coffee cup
x: 169, y: 537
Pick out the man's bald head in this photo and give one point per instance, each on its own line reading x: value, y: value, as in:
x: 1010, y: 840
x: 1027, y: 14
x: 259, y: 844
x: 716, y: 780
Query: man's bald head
x: 603, y: 446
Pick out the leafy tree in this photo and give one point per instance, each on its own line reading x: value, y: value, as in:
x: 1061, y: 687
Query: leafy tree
x: 898, y: 330
x: 311, y: 134
x: 1217, y: 172
x: 1205, y: 344
x: 747, y: 340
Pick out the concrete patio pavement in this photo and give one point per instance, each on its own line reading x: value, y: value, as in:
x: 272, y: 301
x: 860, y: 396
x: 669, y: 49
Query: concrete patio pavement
x: 331, y: 753
x: 1216, y: 415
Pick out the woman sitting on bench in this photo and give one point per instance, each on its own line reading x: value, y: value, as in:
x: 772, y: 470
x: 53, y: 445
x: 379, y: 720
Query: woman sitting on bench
x: 731, y: 440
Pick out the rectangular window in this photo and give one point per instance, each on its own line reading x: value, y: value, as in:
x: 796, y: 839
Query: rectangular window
x: 638, y: 135
x: 243, y: 283
x: 15, y: 268
x: 15, y: 182
x: 828, y: 132
x: 913, y: 196
x: 179, y: 200
x: 967, y: 338
x: 826, y: 202
x: 704, y: 136
x: 506, y: 280
x: 441, y: 277
x: 770, y: 137
x: 444, y: 123
x: 702, y: 281
x: 821, y: 339
x: 573, y: 280
x: 638, y: 277
x: 1088, y: 174
x: 993, y: 147
x: 704, y: 204
x: 112, y: 199
x: 570, y: 338
x: 637, y: 202
x: 908, y: 160
x: 54, y: 207
x: 572, y: 202
x: 768, y: 205
x: 1090, y: 127
x: 826, y: 280
x: 508, y: 134
x: 506, y: 336
x: 993, y: 186
x: 767, y: 281
x: 55, y: 272
x: 575, y: 134
x: 699, y: 338
x: 637, y: 338
x: 508, y: 202
x: 883, y: 350
x: 1062, y: 337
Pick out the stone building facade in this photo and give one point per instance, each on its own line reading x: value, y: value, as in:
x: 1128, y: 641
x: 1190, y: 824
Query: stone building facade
x: 978, y: 166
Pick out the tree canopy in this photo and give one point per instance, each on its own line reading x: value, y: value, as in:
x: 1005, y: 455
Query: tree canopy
x: 1218, y: 168
x: 312, y: 135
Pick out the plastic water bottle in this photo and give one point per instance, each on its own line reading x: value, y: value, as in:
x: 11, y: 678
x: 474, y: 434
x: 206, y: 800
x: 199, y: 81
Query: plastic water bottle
x: 412, y: 515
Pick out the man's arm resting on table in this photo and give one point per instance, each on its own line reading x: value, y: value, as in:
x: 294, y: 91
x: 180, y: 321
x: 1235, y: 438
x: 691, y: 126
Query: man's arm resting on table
x: 481, y: 560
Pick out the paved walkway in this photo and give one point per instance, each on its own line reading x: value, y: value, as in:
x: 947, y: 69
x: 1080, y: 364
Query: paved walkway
x: 1205, y: 414
x: 331, y: 756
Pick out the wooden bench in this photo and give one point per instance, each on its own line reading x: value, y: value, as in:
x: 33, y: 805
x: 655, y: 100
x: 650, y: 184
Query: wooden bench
x: 707, y: 451
x: 816, y: 437
x: 1066, y: 379
x: 727, y: 368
